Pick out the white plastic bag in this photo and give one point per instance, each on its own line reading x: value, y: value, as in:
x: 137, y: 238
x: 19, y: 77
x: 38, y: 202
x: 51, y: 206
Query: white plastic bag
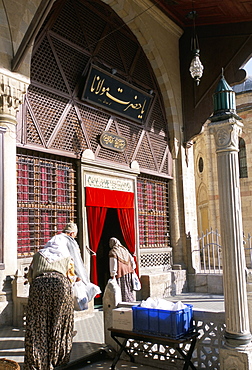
x: 80, y: 296
x: 135, y: 282
x: 179, y: 306
x: 92, y: 290
x: 84, y: 293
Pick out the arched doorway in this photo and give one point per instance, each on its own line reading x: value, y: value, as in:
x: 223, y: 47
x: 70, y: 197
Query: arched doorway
x: 56, y: 120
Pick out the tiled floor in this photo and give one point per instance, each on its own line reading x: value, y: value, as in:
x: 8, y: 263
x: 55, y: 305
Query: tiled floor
x: 90, y: 335
x: 89, y: 338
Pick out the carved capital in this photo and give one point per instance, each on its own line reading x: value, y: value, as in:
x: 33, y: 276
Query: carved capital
x: 226, y: 134
x: 12, y: 91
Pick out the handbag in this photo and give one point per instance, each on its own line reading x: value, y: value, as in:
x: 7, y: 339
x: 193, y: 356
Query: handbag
x: 136, y: 284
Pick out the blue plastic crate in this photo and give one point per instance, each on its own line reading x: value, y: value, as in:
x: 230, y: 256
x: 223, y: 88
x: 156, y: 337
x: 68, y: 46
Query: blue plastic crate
x: 173, y: 324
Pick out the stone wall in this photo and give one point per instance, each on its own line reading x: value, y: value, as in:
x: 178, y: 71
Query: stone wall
x: 163, y: 285
x: 206, y: 180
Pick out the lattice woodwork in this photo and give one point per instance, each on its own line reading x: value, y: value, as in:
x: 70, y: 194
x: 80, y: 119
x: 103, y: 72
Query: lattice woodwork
x: 31, y: 131
x: 142, y: 71
x: 132, y: 134
x: 144, y: 155
x: 153, y: 217
x: 44, y: 68
x: 94, y: 122
x: 110, y: 155
x: 210, y: 326
x: 163, y: 259
x: 71, y: 31
x: 70, y: 136
x: 157, y: 120
x: 72, y: 61
x: 80, y: 33
x: 129, y: 49
x: 166, y: 164
x: 46, y: 191
x: 113, y: 57
x: 159, y: 146
x: 47, y: 109
x: 92, y: 23
x: 104, y: 11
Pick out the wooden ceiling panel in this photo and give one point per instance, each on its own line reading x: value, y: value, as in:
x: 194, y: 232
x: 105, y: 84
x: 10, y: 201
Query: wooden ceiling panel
x: 208, y: 12
x: 247, y: 6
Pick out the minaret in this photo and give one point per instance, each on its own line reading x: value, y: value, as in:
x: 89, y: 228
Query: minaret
x: 226, y: 127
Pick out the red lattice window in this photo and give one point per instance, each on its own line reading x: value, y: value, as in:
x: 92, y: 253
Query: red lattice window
x: 153, y: 212
x: 46, y: 199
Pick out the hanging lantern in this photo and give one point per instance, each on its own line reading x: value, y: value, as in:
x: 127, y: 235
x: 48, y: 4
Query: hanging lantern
x: 196, y: 67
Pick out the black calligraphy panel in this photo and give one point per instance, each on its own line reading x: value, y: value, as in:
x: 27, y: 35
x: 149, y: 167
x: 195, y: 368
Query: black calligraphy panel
x: 114, y: 94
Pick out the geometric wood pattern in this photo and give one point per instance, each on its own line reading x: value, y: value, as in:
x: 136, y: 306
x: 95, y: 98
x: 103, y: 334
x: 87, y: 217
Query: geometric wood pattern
x: 76, y: 34
x: 211, y: 328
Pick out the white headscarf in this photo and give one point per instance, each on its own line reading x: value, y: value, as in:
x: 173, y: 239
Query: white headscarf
x: 117, y: 250
x: 70, y: 228
x: 55, y: 249
x: 74, y: 251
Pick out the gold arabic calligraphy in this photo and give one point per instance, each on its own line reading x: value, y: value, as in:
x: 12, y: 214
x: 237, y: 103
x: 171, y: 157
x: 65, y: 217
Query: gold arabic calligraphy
x: 117, y: 142
x: 98, y: 88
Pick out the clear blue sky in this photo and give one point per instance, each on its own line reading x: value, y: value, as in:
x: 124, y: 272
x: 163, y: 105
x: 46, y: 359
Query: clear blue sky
x: 248, y: 67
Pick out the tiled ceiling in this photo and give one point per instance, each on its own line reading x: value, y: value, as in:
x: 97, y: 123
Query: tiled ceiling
x: 209, y: 12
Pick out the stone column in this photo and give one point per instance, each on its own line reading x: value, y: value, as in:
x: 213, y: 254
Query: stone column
x: 234, y: 275
x: 12, y: 89
x: 237, y: 352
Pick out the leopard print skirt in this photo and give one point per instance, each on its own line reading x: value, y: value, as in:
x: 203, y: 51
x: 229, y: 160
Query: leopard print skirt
x: 49, y: 322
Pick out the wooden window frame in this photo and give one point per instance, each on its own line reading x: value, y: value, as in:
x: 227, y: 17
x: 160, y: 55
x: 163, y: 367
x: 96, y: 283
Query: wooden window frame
x: 153, y: 212
x: 46, y: 199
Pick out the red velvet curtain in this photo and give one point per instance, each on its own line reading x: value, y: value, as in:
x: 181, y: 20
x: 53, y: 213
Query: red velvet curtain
x: 97, y: 201
x: 127, y: 222
x: 96, y: 218
x: 109, y: 198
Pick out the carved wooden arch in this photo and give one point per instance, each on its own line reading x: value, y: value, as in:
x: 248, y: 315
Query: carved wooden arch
x: 55, y: 119
x: 145, y: 38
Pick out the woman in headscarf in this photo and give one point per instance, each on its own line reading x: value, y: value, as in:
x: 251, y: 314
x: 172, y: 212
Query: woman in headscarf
x: 67, y: 237
x: 50, y: 310
x: 66, y: 240
x: 122, y: 265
